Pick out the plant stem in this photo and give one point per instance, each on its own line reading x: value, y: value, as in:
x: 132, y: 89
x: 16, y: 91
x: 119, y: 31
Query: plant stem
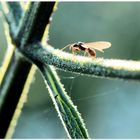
x: 111, y: 68
x: 15, y: 11
x: 68, y: 113
x: 10, y: 91
x: 19, y: 68
x: 34, y: 23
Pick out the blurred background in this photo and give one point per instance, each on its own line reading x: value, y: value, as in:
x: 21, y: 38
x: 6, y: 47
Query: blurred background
x: 110, y: 107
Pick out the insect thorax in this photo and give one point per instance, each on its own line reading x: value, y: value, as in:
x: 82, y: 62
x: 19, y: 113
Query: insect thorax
x: 79, y: 45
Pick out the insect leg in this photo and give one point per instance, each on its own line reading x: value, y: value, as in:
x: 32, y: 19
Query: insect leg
x: 73, y: 52
x: 85, y: 53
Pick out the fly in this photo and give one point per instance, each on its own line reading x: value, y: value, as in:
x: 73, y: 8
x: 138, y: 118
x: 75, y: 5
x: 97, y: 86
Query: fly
x: 88, y: 48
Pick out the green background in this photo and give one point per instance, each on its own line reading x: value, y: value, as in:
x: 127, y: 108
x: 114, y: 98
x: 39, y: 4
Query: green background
x: 110, y: 107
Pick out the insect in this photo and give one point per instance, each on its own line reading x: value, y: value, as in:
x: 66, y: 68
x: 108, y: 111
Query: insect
x: 88, y: 48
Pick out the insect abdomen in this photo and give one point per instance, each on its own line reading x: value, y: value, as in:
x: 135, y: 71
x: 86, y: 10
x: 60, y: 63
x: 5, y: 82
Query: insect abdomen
x: 92, y: 52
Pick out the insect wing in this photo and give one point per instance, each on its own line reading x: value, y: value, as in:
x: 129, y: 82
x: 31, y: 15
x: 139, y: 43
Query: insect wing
x: 100, y: 45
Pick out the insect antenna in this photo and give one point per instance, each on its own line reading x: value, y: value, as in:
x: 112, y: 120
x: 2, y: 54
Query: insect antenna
x: 65, y: 47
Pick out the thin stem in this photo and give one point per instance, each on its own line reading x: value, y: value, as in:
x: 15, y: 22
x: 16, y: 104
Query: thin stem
x: 68, y: 113
x: 10, y: 91
x: 111, y: 68
x: 15, y: 11
x: 19, y: 68
x: 34, y: 23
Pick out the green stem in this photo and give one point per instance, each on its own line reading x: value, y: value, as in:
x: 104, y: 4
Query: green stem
x: 33, y: 24
x: 19, y: 68
x: 11, y: 89
x: 12, y: 13
x: 111, y: 68
x: 15, y: 11
x: 68, y: 113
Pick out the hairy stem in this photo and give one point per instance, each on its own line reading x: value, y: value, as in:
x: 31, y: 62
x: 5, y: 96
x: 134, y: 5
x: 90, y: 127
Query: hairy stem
x: 111, y: 68
x: 68, y: 113
x: 10, y: 91
x: 19, y: 68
